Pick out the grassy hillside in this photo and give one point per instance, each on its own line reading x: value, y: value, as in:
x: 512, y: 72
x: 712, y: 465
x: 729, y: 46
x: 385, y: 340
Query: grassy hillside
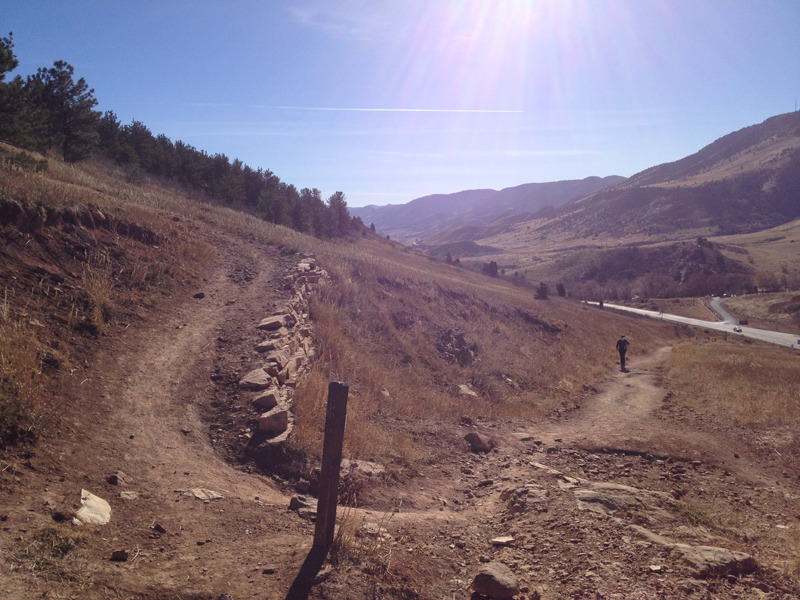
x: 87, y: 253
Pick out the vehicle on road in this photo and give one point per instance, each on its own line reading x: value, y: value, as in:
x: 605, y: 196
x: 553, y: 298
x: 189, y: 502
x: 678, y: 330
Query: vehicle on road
x: 737, y: 329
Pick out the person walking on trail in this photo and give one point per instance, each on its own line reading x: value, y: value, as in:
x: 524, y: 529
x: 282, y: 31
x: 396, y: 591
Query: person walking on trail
x: 622, y: 348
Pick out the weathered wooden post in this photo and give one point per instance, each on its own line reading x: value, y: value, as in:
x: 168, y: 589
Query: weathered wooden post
x: 331, y: 464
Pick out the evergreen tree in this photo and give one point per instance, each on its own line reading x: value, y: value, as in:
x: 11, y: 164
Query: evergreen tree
x: 339, y: 216
x: 109, y: 130
x: 8, y: 61
x: 490, y: 269
x: 68, y: 105
x: 17, y: 119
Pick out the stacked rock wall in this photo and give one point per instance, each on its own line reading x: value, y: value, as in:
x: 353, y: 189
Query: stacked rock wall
x: 287, y: 352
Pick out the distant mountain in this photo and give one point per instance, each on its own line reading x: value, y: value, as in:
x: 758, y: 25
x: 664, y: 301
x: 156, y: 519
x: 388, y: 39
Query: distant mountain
x: 472, y: 211
x: 745, y: 181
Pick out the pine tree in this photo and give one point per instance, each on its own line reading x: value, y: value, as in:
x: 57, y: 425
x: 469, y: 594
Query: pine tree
x: 71, y: 122
x: 17, y: 120
x: 338, y: 214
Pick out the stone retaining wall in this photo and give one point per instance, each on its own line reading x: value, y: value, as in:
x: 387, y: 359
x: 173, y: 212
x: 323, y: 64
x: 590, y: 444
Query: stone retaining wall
x: 287, y: 353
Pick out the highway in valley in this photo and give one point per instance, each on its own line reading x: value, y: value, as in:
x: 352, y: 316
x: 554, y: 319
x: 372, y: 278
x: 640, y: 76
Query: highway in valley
x: 727, y: 325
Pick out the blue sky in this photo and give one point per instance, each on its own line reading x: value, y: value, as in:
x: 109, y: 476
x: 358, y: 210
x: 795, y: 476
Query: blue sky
x: 391, y: 100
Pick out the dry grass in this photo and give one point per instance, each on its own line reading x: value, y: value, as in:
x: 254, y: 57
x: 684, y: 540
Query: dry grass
x: 91, y: 278
x: 387, y: 323
x: 22, y: 407
x: 49, y: 554
x: 695, y: 308
x: 778, y: 311
x: 775, y: 250
x: 737, y: 382
x: 97, y: 284
x: 362, y: 542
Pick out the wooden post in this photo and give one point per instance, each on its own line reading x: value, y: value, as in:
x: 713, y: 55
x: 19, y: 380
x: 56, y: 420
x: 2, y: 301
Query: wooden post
x: 331, y: 464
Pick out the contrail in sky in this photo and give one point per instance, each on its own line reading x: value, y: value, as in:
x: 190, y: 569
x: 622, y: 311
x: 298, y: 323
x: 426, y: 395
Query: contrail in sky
x: 418, y: 110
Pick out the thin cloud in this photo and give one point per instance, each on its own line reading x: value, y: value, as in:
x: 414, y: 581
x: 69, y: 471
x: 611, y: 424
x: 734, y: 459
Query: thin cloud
x: 398, y: 110
x: 507, y: 153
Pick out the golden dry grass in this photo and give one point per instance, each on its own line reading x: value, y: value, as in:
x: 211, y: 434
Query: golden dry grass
x: 743, y: 383
x: 381, y: 325
x: 695, y: 308
x: 775, y: 253
x: 779, y: 311
x: 22, y: 407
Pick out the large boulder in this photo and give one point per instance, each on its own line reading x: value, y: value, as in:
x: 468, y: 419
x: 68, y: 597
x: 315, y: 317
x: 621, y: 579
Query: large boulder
x: 496, y: 581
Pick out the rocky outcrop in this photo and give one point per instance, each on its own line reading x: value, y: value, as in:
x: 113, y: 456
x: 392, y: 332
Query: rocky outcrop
x: 285, y: 353
x: 710, y: 561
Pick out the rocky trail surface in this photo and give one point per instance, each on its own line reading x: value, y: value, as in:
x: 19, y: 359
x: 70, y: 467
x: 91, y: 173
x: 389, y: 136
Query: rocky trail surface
x: 625, y: 497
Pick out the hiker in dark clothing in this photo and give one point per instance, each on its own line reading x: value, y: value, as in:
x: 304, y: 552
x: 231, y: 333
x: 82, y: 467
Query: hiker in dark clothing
x: 622, y: 348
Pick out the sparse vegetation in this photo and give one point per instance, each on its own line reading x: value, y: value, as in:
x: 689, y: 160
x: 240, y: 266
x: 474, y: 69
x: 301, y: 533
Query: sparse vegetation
x: 736, y: 382
x: 22, y: 406
x: 377, y: 328
x: 48, y: 554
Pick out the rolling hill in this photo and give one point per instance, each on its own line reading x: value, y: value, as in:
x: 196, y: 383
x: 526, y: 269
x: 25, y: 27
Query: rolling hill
x: 474, y: 210
x: 745, y: 181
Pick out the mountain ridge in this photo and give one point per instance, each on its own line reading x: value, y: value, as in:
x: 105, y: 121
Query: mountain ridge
x: 477, y: 208
x: 745, y: 181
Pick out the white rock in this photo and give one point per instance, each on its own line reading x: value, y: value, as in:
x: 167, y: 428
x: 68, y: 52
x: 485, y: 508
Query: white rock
x: 94, y: 510
x: 465, y: 390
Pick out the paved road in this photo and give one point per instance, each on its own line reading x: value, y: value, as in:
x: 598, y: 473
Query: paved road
x: 722, y: 312
x: 774, y: 337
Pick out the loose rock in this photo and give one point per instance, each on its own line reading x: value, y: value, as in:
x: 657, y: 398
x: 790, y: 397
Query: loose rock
x: 94, y: 510
x: 119, y: 556
x: 478, y: 442
x: 496, y: 581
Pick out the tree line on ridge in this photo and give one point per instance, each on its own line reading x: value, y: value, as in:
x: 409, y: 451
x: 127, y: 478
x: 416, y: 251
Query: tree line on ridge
x: 52, y: 111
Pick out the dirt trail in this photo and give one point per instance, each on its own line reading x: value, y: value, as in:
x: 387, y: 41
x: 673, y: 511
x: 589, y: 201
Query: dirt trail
x: 139, y: 409
x: 159, y: 383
